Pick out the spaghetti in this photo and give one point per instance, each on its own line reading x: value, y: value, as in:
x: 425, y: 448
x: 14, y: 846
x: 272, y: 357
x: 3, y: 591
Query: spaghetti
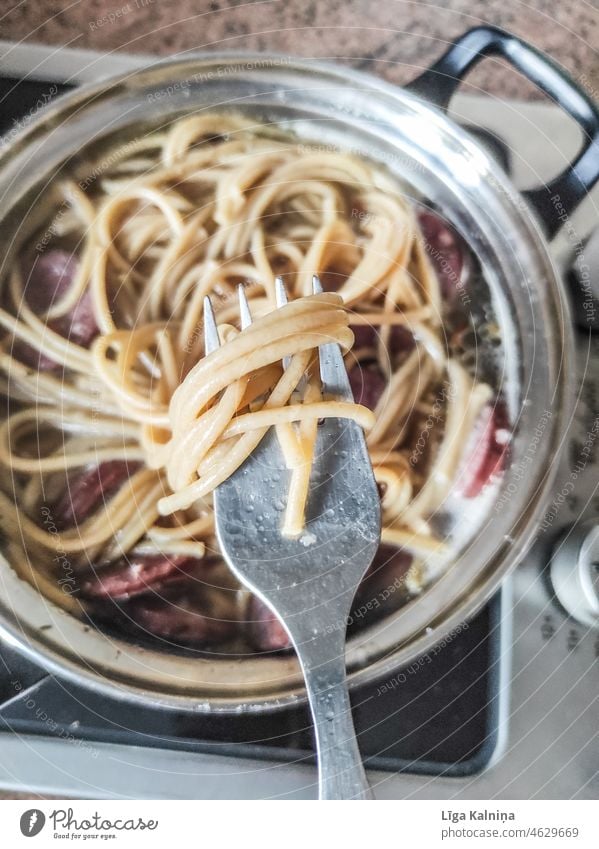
x: 111, y: 394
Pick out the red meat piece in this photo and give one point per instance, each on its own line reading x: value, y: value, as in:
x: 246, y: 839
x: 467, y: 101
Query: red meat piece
x: 367, y: 384
x: 265, y: 631
x: 401, y: 339
x: 138, y: 575
x: 485, y: 452
x: 446, y: 251
x: 47, y: 282
x: 88, y: 489
x: 178, y: 618
x: 383, y: 587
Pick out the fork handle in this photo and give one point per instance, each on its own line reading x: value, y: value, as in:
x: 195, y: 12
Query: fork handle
x: 321, y: 653
x: 340, y: 771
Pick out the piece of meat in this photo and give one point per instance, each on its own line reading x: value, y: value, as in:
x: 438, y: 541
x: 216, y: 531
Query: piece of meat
x: 87, y: 490
x: 46, y: 283
x: 179, y: 617
x: 78, y: 325
x: 485, y: 451
x: 387, y: 570
x: 383, y: 587
x: 32, y: 357
x: 446, y: 251
x: 332, y: 282
x: 367, y: 384
x: 365, y: 335
x: 401, y: 339
x: 129, y: 578
x: 48, y: 279
x: 265, y: 631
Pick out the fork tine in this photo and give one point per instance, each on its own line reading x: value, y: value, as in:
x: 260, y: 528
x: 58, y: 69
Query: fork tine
x: 280, y: 292
x: 333, y: 373
x: 244, y: 308
x: 282, y: 299
x: 211, y: 337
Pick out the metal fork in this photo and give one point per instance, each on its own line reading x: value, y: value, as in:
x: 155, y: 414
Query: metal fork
x: 308, y: 582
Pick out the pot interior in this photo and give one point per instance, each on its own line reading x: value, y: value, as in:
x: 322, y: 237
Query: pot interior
x: 511, y: 297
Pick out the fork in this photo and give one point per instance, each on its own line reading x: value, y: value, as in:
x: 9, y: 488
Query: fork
x: 310, y: 582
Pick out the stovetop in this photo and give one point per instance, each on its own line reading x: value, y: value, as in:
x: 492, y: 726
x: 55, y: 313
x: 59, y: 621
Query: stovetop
x: 503, y: 708
x: 440, y: 716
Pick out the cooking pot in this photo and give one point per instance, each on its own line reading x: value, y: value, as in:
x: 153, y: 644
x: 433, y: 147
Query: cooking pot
x: 407, y: 131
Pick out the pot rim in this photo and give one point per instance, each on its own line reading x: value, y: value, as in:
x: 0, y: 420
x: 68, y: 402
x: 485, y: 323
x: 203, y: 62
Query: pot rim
x: 504, y: 561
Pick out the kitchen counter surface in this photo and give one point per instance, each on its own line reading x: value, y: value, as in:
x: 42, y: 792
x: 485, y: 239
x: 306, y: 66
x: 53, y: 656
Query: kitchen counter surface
x: 393, y: 39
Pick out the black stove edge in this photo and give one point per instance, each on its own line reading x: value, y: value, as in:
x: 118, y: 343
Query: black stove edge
x: 22, y: 714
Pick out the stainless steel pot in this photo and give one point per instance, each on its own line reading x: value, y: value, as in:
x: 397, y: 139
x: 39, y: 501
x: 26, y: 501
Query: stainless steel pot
x: 407, y: 131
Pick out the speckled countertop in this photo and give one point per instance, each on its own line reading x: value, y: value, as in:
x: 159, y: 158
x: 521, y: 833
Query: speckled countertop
x: 393, y: 38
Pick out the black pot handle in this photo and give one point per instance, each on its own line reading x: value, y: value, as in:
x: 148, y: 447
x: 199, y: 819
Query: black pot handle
x: 559, y: 198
